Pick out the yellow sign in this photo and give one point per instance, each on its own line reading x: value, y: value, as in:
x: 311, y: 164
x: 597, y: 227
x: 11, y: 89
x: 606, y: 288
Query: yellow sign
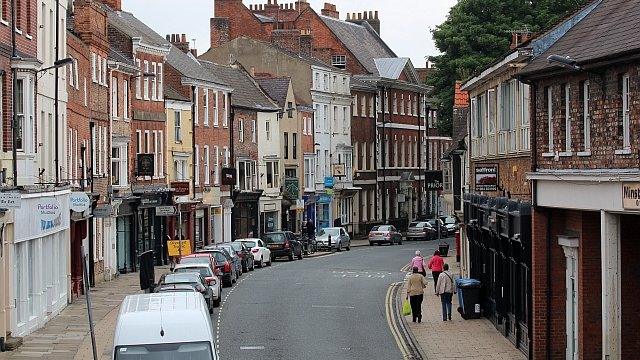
x: 179, y: 247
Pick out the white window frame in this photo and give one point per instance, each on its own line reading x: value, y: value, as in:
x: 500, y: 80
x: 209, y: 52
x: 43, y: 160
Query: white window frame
x: 94, y: 68
x: 122, y: 161
x: 274, y: 168
x: 177, y: 126
x: 240, y: 131
x: 626, y: 106
x: 160, y: 78
x: 196, y: 165
x: 205, y: 108
x: 267, y: 128
x: 207, y: 169
x: 154, y: 83
x: 225, y: 106
x: 309, y: 172
x: 227, y: 156
x: 160, y: 150
x: 586, y: 116
x: 216, y: 165
x: 146, y: 80
x: 125, y: 99
x: 253, y: 132
x: 550, y: 119
x: 139, y: 81
x: 196, y: 119
x: 567, y: 116
x: 114, y: 97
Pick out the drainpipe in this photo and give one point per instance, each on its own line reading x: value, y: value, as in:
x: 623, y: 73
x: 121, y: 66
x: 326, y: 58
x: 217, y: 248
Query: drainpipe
x: 56, y: 106
x: 375, y: 155
x: 194, y: 95
x: 14, y: 74
x: 384, y: 155
x: 92, y: 282
x: 232, y: 159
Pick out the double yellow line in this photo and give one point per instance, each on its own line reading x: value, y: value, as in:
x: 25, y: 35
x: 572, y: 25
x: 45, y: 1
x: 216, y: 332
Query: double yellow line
x: 392, y: 321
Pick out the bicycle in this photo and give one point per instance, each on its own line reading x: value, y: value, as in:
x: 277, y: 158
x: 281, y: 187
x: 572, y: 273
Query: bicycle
x: 308, y: 244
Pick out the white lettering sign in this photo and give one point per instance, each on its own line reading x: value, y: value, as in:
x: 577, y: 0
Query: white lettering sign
x: 79, y: 202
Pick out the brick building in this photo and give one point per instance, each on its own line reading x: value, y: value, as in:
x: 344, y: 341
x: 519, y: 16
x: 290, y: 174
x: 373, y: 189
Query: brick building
x: 256, y: 152
x: 210, y: 141
x: 353, y: 44
x: 585, y: 182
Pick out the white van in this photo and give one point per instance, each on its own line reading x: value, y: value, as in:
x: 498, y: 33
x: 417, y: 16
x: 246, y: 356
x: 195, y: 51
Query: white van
x: 160, y: 326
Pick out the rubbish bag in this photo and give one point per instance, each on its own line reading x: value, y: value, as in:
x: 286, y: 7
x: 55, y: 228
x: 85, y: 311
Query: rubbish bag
x: 406, y: 308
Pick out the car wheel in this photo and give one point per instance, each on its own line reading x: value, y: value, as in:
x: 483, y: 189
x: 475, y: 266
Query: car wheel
x: 216, y: 302
x: 261, y: 263
x: 291, y: 257
x: 349, y: 246
x: 300, y: 255
x: 339, y: 248
x: 269, y: 263
x: 400, y: 241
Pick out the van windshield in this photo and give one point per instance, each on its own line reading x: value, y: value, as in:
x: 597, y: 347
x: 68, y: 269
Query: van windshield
x: 181, y: 351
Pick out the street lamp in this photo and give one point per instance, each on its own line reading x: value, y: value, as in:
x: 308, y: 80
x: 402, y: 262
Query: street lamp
x: 565, y: 62
x: 58, y: 64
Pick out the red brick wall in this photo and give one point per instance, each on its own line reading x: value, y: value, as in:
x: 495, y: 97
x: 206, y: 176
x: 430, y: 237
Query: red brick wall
x: 590, y: 287
x: 605, y: 136
x: 363, y: 128
x: 630, y: 251
x: 234, y: 19
x: 512, y: 176
x: 245, y: 148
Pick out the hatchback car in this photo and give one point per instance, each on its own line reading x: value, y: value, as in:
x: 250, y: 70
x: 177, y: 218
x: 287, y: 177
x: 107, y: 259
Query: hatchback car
x: 235, y: 259
x: 420, y: 230
x: 199, y: 259
x: 283, y: 244
x: 439, y: 224
x: 339, y: 239
x: 224, y: 264
x: 189, y: 278
x: 210, y: 278
x: 451, y: 223
x: 244, y: 253
x: 384, y: 234
x: 261, y: 255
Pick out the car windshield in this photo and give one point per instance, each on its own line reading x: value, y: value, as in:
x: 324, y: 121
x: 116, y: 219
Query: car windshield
x: 195, y: 260
x: 250, y: 244
x: 228, y: 249
x: 236, y: 246
x: 181, y: 276
x: 220, y: 257
x: 274, y: 238
x: 182, y: 351
x: 329, y: 231
x: 203, y: 270
x: 384, y: 228
x: 450, y: 220
x: 422, y: 224
x: 414, y: 224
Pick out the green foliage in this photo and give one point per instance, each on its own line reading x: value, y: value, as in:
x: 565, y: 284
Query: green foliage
x: 478, y: 32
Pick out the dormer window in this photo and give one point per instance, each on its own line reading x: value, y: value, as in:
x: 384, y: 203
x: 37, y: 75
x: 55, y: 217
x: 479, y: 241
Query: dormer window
x: 339, y: 61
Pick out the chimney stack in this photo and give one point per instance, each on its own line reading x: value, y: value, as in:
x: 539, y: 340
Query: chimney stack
x: 179, y: 41
x: 370, y: 17
x: 330, y: 10
x: 113, y: 4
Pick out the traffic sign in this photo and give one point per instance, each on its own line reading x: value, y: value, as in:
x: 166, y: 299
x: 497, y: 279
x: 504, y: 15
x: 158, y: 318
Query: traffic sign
x: 166, y: 211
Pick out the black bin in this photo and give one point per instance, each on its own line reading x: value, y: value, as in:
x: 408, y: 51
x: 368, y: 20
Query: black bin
x: 469, y: 298
x: 147, y: 271
x: 443, y: 248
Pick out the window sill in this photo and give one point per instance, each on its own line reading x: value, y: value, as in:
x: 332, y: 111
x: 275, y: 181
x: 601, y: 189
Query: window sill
x: 116, y: 118
x: 18, y: 31
x: 30, y: 38
x: 566, y: 154
x: 4, y: 22
x: 548, y: 155
x: 584, y: 153
x: 623, y: 152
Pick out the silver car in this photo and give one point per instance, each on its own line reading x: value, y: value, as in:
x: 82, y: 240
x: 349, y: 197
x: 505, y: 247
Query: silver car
x: 339, y: 238
x: 384, y: 234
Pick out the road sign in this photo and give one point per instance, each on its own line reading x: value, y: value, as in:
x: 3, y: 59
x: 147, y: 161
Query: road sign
x: 10, y: 200
x: 166, y: 211
x: 179, y: 247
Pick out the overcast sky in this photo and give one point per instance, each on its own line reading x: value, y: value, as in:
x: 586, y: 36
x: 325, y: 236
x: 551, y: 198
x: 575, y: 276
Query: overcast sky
x: 405, y: 24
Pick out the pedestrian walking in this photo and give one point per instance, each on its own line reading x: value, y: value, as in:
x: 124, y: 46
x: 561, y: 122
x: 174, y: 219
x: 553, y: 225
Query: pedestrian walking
x: 415, y: 294
x: 445, y: 288
x: 435, y: 265
x: 418, y: 261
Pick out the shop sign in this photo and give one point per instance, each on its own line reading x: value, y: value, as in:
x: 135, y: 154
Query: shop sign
x: 145, y: 165
x: 179, y: 247
x: 433, y: 180
x: 180, y: 187
x: 228, y: 176
x: 79, y: 201
x: 166, y: 211
x: 103, y: 211
x: 631, y: 196
x: 324, y: 199
x: 48, y: 209
x: 329, y: 182
x: 151, y: 202
x: 10, y: 200
x: 339, y: 170
x: 486, y: 177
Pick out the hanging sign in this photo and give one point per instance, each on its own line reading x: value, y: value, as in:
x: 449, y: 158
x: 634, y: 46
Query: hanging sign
x: 166, y: 211
x: 79, y: 201
x: 103, y: 211
x: 486, y: 177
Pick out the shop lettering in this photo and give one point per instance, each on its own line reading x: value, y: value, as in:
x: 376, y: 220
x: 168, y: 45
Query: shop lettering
x: 631, y: 196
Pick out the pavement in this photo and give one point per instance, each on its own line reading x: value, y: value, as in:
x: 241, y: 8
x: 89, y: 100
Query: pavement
x: 459, y: 338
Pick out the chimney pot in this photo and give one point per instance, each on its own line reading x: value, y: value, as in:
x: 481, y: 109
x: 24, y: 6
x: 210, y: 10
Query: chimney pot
x: 376, y: 14
x: 252, y: 71
x: 348, y: 16
x: 359, y: 16
x: 371, y: 15
x: 184, y: 38
x: 168, y: 37
x: 365, y: 16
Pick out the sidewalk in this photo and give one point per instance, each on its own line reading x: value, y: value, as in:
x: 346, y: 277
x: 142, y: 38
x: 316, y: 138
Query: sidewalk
x: 459, y: 338
x: 67, y: 337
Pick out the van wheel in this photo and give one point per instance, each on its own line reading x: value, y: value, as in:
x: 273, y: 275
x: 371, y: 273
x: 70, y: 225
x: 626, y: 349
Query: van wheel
x: 216, y: 303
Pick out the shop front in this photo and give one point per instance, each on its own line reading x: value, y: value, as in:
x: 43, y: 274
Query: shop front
x: 151, y: 229
x: 270, y: 216
x: 245, y: 215
x: 125, y: 244
x: 309, y: 213
x: 323, y: 211
x: 78, y: 231
x: 41, y: 260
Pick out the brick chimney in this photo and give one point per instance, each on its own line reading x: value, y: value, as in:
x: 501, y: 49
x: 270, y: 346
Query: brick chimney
x: 179, y: 41
x: 306, y: 43
x: 370, y: 17
x: 114, y: 4
x: 330, y: 11
x: 287, y: 39
x: 461, y: 98
x: 520, y: 37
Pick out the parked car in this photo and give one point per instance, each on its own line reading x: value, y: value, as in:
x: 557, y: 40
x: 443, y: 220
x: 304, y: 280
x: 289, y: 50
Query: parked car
x: 235, y: 259
x: 189, y: 278
x: 451, y: 223
x: 434, y: 224
x: 224, y: 264
x: 200, y: 258
x: 189, y: 331
x: 420, y: 230
x: 339, y: 238
x: 384, y: 234
x: 283, y: 243
x: 210, y: 276
x: 244, y: 253
x: 261, y: 255
x: 174, y: 288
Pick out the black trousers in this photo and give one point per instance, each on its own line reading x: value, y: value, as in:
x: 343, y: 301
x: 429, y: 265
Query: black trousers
x: 416, y: 306
x: 435, y: 275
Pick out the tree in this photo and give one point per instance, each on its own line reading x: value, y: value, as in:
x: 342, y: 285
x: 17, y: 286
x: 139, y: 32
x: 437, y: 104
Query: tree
x: 476, y: 32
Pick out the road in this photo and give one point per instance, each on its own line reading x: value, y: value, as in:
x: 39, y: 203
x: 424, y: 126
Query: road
x: 330, y: 307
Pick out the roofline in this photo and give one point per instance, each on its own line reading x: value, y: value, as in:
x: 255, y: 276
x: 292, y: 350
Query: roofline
x: 189, y: 81
x: 148, y: 48
x: 268, y: 110
x: 123, y: 67
x: 490, y: 71
x: 603, y: 61
x: 398, y: 84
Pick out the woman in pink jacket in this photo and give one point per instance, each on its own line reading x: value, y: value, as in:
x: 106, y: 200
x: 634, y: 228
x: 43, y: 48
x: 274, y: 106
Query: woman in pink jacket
x: 435, y: 265
x: 418, y: 262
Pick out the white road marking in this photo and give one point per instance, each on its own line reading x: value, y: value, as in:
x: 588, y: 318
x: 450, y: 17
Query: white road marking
x: 332, y: 307
x: 251, y: 347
